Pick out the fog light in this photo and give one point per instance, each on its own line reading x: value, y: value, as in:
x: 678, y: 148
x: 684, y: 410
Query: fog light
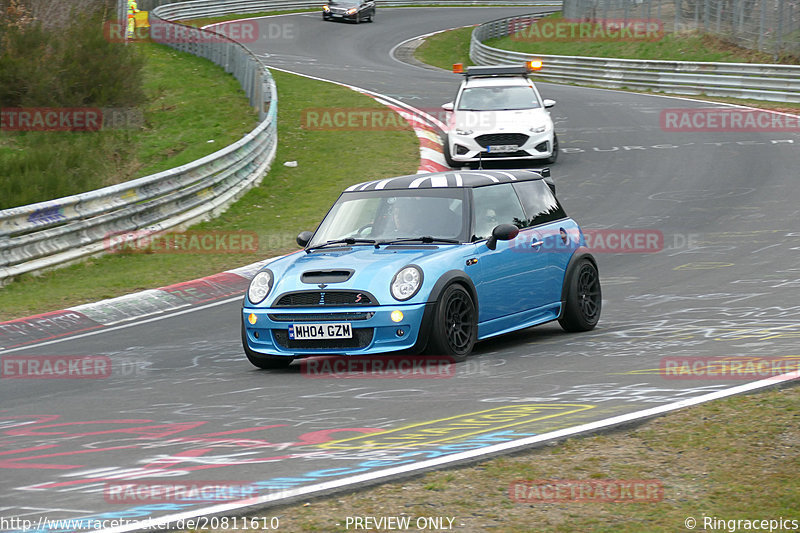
x: 397, y: 315
x: 400, y: 332
x: 252, y: 318
x: 255, y: 334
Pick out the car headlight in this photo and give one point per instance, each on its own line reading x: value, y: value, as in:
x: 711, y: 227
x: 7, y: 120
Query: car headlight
x: 539, y: 129
x: 459, y: 131
x: 351, y: 10
x: 326, y: 8
x: 406, y: 282
x: 260, y: 287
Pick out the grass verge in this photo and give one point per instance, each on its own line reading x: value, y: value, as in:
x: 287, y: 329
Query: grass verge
x: 710, y: 460
x: 288, y: 200
x: 190, y: 103
x: 444, y: 49
x: 681, y: 46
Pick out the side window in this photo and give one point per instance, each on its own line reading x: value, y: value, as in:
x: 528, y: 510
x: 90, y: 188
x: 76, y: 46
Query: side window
x: 493, y: 205
x: 541, y: 205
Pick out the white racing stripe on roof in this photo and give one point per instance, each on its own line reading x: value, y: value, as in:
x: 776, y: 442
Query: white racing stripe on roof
x: 383, y: 183
x: 511, y: 176
x: 439, y: 181
x: 363, y: 187
x: 417, y: 182
x: 495, y: 180
x: 351, y: 188
x: 459, y: 182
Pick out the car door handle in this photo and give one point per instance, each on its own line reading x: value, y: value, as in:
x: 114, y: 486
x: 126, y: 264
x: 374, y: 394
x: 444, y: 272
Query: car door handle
x: 536, y: 244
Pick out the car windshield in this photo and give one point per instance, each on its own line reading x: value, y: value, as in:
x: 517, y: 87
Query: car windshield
x: 497, y: 98
x: 386, y: 216
x: 344, y: 3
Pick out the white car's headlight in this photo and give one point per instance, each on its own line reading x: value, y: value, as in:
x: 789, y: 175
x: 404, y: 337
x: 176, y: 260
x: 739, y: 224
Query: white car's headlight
x: 260, y: 286
x: 406, y: 282
x: 539, y: 129
x: 460, y: 131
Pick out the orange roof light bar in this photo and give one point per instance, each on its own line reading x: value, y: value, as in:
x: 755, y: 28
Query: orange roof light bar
x: 458, y: 68
x: 534, y: 64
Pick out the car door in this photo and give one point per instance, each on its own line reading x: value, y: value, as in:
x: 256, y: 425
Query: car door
x: 546, y: 235
x: 511, y: 279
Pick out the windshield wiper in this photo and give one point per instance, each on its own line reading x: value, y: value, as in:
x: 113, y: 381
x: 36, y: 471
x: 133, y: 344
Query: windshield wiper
x: 348, y: 240
x: 424, y: 240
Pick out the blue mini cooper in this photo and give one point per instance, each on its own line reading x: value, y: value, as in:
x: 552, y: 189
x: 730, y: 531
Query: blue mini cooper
x: 427, y: 262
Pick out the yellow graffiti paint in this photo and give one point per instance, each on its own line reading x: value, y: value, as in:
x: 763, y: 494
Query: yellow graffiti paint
x: 457, y: 427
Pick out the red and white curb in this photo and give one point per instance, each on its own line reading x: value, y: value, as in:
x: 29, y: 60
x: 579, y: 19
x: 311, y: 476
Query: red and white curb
x: 86, y: 318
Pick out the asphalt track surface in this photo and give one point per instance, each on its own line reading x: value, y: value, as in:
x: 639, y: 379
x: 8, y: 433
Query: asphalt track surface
x: 183, y: 404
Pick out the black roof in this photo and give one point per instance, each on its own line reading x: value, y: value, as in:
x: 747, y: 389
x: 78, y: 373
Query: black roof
x: 452, y: 179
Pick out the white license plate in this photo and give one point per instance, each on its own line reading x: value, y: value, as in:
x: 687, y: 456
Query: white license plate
x: 503, y: 148
x: 303, y: 331
x: 337, y: 15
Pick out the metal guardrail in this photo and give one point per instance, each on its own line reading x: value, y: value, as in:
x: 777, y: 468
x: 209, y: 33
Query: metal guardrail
x: 776, y: 83
x: 57, y: 232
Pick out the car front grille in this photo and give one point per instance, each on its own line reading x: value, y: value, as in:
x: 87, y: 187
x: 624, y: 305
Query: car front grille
x: 494, y: 139
x: 518, y: 153
x: 325, y: 298
x: 361, y: 339
x: 319, y: 317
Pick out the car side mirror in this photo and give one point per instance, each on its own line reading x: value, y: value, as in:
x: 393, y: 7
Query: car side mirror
x: 448, y: 106
x: 548, y: 103
x: 502, y: 232
x: 303, y: 238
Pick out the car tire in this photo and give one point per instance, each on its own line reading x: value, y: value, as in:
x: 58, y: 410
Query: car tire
x: 454, y: 330
x: 554, y: 156
x: 265, y: 362
x: 358, y: 18
x: 372, y: 17
x: 446, y: 151
x: 584, y: 298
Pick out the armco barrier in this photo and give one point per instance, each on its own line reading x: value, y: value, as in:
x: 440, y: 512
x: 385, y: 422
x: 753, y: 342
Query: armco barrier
x: 777, y: 83
x: 57, y: 232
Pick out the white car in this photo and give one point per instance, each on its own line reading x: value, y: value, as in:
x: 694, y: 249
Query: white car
x: 499, y: 115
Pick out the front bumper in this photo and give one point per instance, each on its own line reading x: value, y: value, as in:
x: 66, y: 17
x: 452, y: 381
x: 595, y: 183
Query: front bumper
x: 374, y: 331
x: 339, y: 15
x: 465, y: 148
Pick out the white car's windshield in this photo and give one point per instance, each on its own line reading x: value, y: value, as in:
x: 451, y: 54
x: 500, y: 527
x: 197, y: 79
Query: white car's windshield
x: 393, y: 215
x: 497, y: 98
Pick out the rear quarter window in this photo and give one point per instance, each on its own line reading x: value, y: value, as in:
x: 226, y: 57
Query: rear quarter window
x: 540, y: 204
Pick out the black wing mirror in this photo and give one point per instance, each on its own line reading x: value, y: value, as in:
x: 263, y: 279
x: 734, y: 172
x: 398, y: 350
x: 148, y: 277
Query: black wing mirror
x: 303, y: 238
x: 502, y: 232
